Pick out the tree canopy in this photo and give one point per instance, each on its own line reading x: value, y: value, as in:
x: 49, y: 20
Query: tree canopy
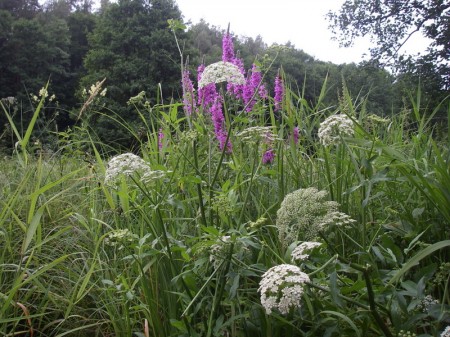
x: 392, y: 23
x: 129, y: 42
x: 132, y: 47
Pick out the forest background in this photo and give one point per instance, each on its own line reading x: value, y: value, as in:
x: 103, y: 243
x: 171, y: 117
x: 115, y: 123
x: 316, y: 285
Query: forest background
x: 73, y: 45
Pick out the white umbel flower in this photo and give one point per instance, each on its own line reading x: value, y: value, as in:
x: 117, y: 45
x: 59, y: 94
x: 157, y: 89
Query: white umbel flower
x: 337, y: 219
x: 335, y: 126
x: 221, y: 72
x: 299, y: 253
x: 219, y: 250
x: 282, y: 287
x: 257, y: 133
x: 446, y: 332
x: 125, y: 164
x: 427, y: 302
x: 301, y: 214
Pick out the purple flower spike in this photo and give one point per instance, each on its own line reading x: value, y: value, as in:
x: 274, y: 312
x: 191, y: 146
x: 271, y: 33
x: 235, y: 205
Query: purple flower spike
x: 237, y: 89
x: 268, y: 156
x: 295, y: 135
x: 188, y: 93
x: 200, y: 70
x: 253, y: 84
x: 227, y: 48
x: 279, y: 91
x: 206, y: 94
x: 219, y: 124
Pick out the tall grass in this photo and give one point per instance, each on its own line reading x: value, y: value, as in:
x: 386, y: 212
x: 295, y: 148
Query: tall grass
x: 183, y: 254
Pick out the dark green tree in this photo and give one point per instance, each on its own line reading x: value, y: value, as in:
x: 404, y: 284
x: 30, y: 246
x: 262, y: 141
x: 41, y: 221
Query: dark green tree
x: 132, y: 47
x: 81, y: 23
x: 370, y: 83
x: 390, y: 24
x: 206, y: 41
x: 33, y: 52
x: 25, y: 9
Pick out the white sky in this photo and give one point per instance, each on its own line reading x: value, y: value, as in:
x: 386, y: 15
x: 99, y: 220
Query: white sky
x: 302, y: 22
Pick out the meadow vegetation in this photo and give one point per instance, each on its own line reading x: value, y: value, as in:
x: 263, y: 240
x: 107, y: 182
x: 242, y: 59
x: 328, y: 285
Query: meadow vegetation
x: 244, y: 210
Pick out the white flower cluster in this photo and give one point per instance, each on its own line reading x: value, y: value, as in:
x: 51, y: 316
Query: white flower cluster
x: 119, y: 238
x: 301, y: 214
x: 137, y: 99
x: 219, y: 250
x: 282, y: 287
x: 426, y: 302
x: 299, y: 253
x: 43, y: 93
x: 257, y: 133
x: 153, y: 175
x: 403, y: 333
x: 125, y: 164
x: 94, y: 90
x: 9, y: 100
x: 446, y: 332
x: 333, y: 127
x: 338, y: 219
x: 221, y: 72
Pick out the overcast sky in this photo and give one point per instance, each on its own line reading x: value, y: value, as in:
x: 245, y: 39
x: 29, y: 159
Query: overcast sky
x: 302, y: 22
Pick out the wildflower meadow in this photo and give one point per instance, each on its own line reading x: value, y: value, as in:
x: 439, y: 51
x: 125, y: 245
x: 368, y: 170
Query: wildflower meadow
x: 243, y: 209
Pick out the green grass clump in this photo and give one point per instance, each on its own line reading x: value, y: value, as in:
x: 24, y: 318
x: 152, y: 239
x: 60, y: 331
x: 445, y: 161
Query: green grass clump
x: 179, y: 246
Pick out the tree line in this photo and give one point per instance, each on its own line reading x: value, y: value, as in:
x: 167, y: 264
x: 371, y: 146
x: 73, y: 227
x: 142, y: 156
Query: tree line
x: 72, y: 45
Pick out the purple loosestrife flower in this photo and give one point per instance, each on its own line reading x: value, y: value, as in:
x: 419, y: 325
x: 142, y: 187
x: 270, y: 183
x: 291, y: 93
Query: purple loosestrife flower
x: 253, y: 85
x: 229, y: 56
x: 227, y: 48
x: 237, y: 89
x: 256, y: 80
x: 279, y: 91
x: 207, y: 93
x: 262, y: 91
x: 219, y: 124
x: 268, y: 156
x: 200, y: 70
x: 295, y: 135
x: 188, y: 93
x: 247, y: 94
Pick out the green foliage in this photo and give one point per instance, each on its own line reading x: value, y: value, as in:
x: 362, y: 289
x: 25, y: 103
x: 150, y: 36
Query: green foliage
x: 180, y: 247
x: 132, y: 47
x: 50, y: 42
x: 391, y: 25
x: 21, y: 8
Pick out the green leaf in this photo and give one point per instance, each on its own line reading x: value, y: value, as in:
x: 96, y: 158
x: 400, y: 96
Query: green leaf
x: 345, y: 318
x: 32, y: 228
x: 417, y: 258
x: 335, y: 289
